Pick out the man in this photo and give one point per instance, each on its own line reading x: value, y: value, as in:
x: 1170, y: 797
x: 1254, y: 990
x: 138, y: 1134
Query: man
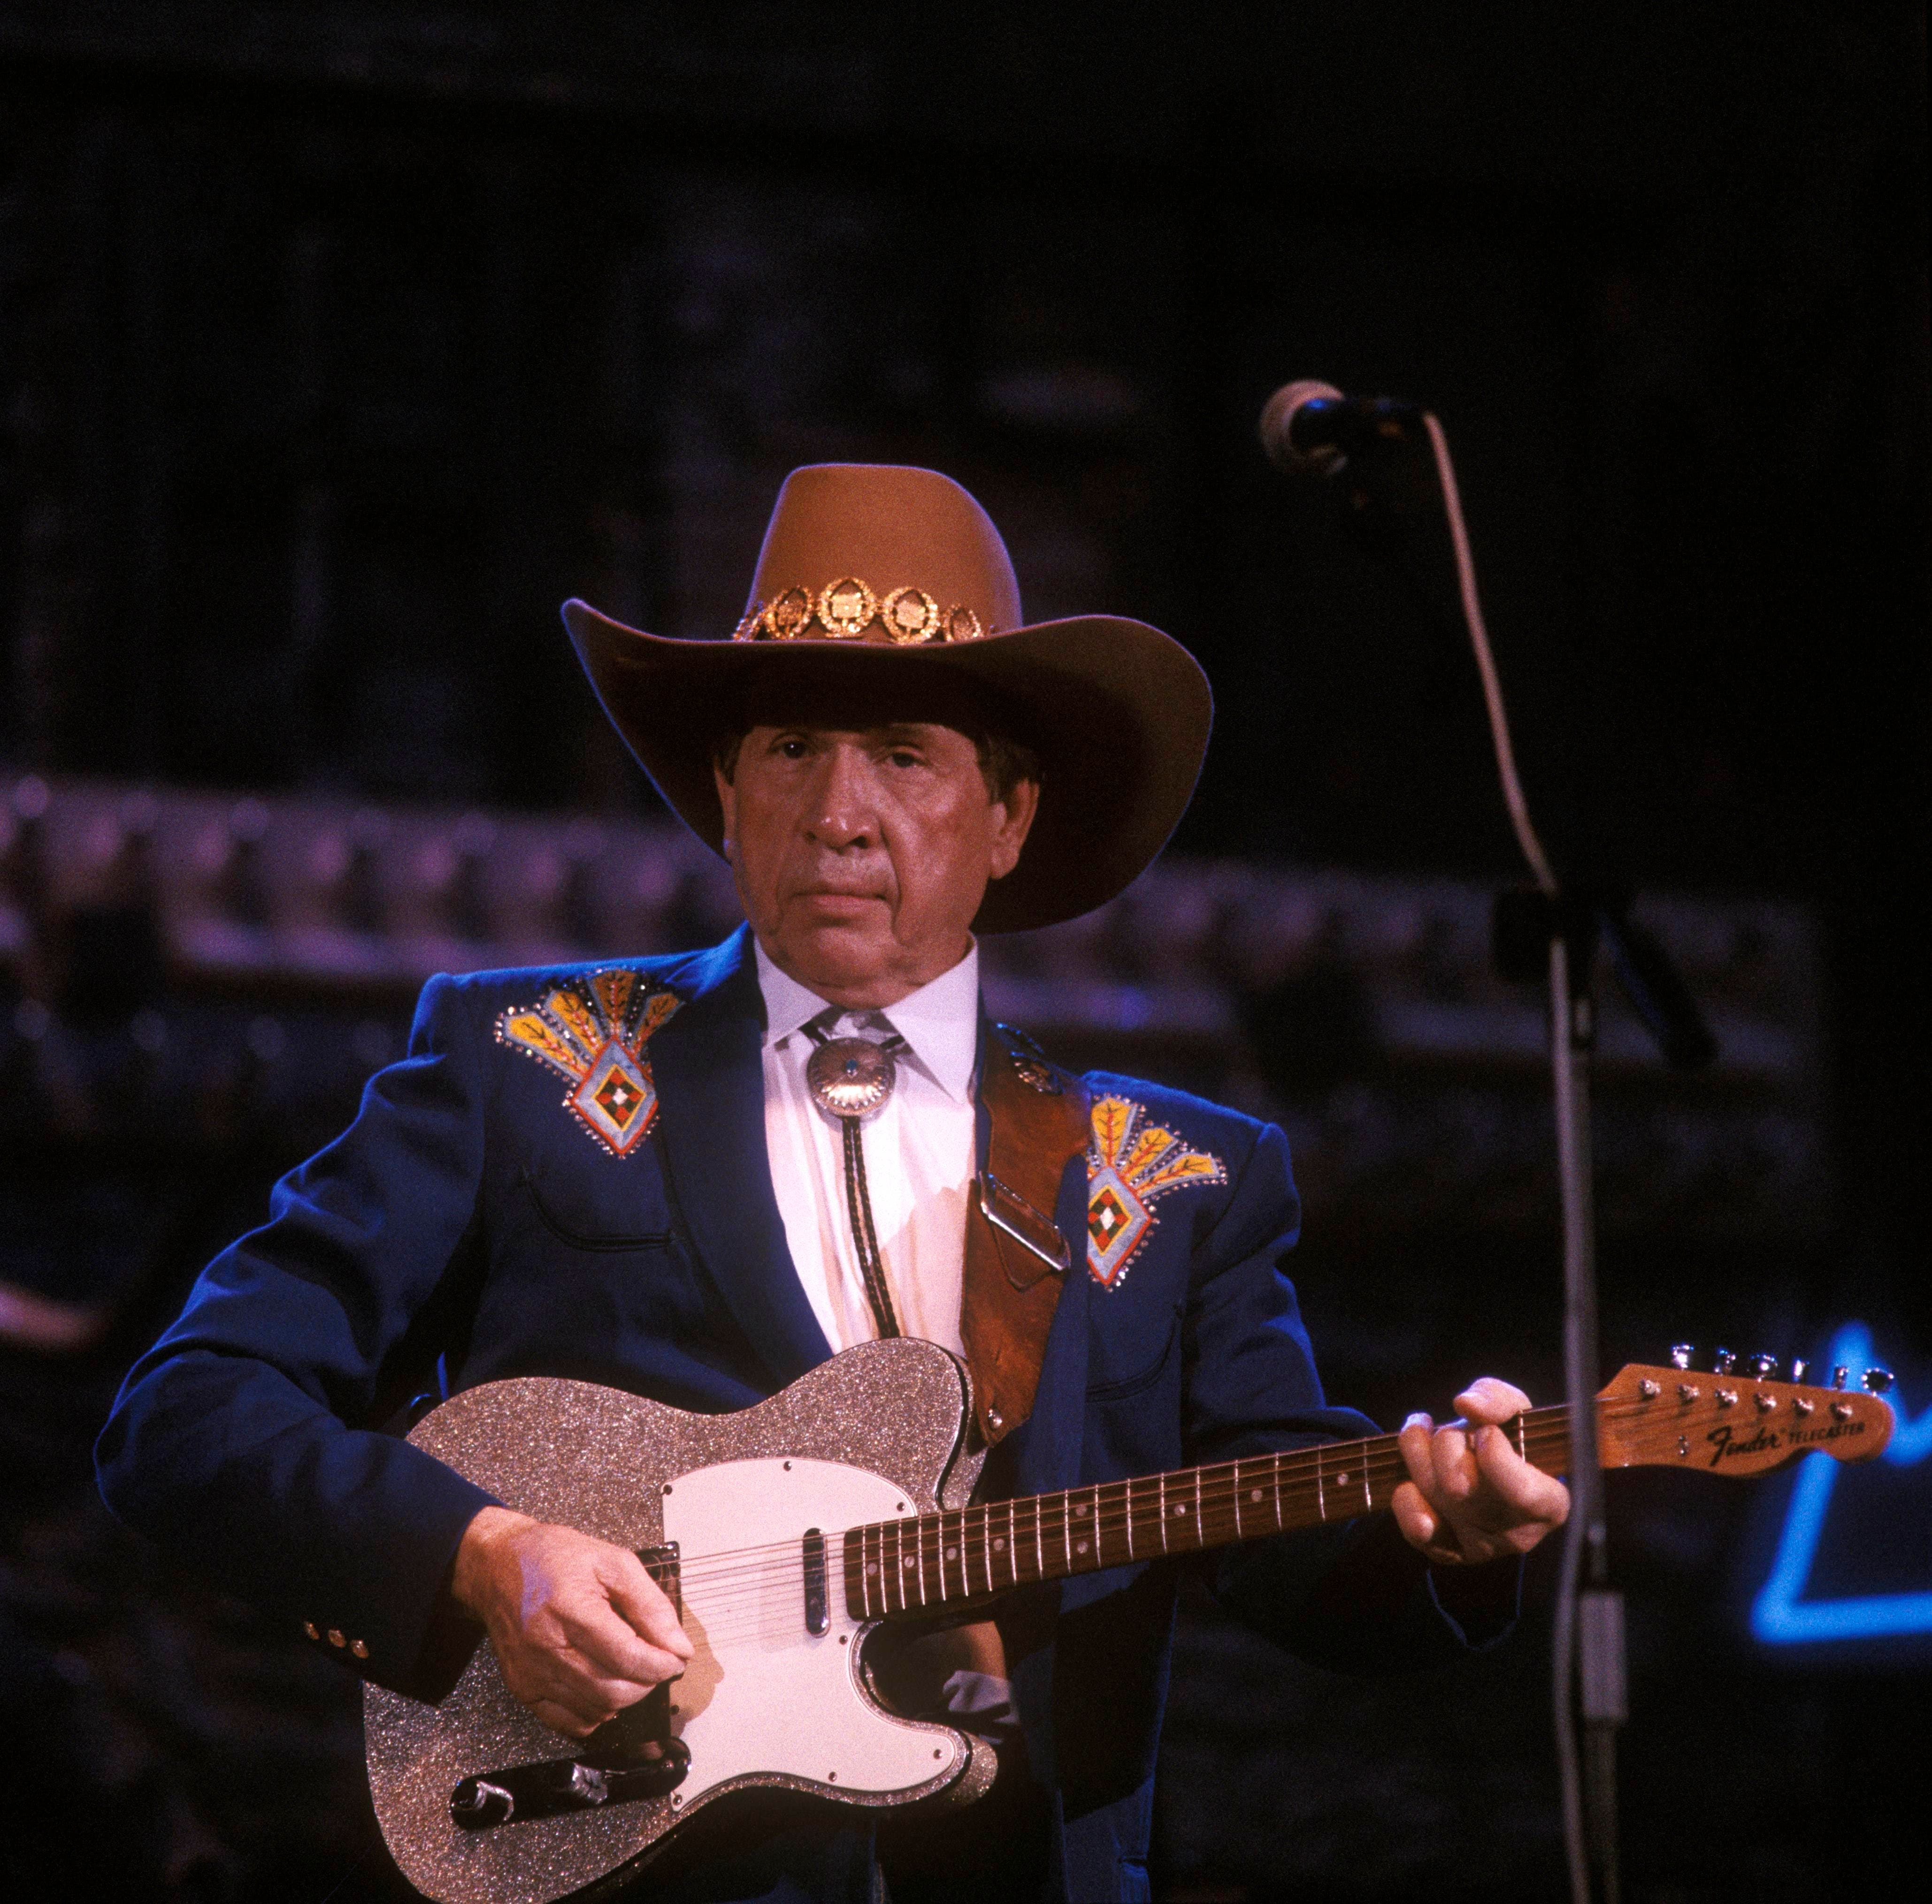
x: 891, y: 760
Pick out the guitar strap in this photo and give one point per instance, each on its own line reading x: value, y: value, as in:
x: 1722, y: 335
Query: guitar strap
x: 1016, y: 1258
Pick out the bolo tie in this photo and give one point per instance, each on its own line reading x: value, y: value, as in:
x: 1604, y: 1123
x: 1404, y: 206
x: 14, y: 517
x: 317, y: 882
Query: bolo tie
x: 851, y: 1079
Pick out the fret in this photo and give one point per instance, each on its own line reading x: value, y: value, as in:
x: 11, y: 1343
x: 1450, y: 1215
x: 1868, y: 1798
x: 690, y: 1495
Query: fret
x: 1368, y: 1499
x: 1066, y: 1527
x: 1278, y: 1522
x: 1039, y: 1545
x: 1200, y: 1532
x: 871, y: 1554
x: 1127, y: 1488
x: 945, y: 1550
x: 1321, y: 1490
x: 1160, y: 1501
x: 986, y: 1543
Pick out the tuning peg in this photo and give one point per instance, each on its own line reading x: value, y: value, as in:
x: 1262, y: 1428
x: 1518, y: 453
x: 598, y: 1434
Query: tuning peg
x: 1724, y: 1361
x: 1877, y: 1380
x: 1681, y: 1353
x: 1838, y: 1375
x: 1761, y: 1368
x: 1799, y: 1365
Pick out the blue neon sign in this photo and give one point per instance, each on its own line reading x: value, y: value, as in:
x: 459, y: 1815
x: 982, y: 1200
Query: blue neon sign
x: 1781, y: 1614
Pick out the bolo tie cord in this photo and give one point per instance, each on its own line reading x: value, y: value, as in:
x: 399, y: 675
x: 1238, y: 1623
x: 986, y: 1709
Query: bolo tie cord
x: 858, y: 1196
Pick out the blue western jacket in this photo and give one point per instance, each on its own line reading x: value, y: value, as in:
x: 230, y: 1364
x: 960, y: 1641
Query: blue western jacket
x: 469, y: 1226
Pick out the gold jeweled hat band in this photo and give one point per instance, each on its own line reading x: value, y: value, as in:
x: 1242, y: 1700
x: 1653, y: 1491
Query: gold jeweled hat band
x: 848, y: 610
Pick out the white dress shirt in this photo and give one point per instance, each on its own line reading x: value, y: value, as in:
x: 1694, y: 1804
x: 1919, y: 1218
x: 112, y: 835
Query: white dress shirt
x: 919, y: 1155
x: 919, y: 1166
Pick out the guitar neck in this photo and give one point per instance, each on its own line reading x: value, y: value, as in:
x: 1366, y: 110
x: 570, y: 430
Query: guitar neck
x: 928, y: 1562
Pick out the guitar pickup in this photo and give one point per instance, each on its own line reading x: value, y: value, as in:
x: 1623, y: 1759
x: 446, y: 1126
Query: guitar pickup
x: 817, y: 1607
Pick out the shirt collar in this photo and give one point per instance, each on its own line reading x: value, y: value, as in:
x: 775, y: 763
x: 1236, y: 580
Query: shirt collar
x: 940, y: 1022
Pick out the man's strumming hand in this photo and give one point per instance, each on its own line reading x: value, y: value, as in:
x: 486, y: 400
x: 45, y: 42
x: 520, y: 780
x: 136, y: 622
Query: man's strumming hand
x: 1470, y: 1497
x: 581, y: 1629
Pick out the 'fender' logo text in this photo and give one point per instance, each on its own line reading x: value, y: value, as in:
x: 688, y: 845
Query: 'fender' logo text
x: 1726, y: 1444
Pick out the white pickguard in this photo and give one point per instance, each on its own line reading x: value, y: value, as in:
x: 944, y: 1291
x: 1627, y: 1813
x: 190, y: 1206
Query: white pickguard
x: 763, y: 1695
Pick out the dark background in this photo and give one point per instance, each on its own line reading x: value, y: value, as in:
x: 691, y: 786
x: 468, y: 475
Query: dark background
x: 338, y: 343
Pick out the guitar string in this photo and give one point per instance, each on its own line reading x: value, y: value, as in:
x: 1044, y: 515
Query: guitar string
x: 1216, y: 1487
x: 1219, y: 1500
x: 725, y: 1612
x: 1217, y: 1480
x: 726, y: 1617
x: 1214, y: 1475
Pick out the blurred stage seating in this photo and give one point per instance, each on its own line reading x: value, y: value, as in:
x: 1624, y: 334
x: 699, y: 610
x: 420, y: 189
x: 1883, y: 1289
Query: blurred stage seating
x: 189, y: 973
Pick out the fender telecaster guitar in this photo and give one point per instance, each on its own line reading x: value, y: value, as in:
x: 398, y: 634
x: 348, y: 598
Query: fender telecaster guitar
x: 788, y: 1531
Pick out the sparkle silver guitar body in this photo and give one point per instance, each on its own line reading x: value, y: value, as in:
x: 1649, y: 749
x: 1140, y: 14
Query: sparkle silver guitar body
x: 767, y: 1701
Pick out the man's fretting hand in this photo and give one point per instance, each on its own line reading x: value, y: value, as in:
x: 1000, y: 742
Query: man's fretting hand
x: 581, y: 1629
x: 1470, y: 1497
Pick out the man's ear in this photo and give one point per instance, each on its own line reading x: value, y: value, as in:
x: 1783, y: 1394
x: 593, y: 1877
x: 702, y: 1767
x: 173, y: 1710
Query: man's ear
x: 1013, y: 821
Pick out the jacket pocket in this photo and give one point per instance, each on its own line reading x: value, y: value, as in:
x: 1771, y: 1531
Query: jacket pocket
x: 1139, y: 1379
x: 578, y: 1239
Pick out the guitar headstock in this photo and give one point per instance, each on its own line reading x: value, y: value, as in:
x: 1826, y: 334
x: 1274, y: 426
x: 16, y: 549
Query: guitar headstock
x: 1732, y: 1423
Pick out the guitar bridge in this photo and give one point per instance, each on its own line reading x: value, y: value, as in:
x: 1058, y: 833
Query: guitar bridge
x: 630, y: 1757
x: 545, y: 1790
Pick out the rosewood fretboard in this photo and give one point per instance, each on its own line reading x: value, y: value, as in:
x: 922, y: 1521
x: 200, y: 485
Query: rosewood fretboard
x: 928, y: 1561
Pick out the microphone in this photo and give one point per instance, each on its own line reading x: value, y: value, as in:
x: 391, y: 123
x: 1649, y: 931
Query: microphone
x: 1308, y: 428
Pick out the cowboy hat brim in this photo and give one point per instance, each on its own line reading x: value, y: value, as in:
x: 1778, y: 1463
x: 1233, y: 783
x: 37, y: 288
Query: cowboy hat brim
x: 1118, y: 712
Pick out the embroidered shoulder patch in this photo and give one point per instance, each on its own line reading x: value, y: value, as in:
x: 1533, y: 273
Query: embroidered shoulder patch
x: 593, y: 1031
x: 1130, y: 1163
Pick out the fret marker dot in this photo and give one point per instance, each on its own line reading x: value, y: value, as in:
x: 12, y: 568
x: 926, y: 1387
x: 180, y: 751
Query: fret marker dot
x: 1000, y: 1544
x: 1079, y: 1547
x: 1341, y: 1480
x: 953, y: 1553
x: 1179, y: 1512
x: 910, y: 1561
x: 872, y: 1566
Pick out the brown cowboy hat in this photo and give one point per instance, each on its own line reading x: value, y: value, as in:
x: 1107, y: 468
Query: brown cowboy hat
x: 876, y: 578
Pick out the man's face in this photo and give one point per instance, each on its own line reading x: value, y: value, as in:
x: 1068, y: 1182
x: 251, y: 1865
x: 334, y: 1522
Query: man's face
x: 862, y: 854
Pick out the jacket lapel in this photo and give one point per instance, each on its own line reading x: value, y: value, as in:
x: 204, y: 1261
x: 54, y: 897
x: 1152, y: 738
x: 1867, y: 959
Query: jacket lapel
x: 708, y: 1067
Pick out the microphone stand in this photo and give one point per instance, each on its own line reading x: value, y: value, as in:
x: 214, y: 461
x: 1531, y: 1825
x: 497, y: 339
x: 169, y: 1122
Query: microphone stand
x: 1555, y: 931
x: 1587, y: 1639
